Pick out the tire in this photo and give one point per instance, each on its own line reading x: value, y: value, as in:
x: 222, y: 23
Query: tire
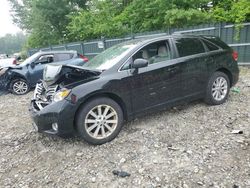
x: 217, y: 89
x: 23, y: 86
x: 99, y: 121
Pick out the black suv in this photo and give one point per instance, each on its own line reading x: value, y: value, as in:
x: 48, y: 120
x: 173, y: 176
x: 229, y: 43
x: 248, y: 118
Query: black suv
x: 131, y: 79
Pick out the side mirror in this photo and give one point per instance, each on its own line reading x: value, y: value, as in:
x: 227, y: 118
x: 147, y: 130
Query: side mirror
x: 140, y: 63
x: 32, y: 64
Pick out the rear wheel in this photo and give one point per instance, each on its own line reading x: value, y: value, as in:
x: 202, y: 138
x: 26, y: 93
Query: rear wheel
x: 217, y: 89
x: 19, y: 86
x: 99, y: 121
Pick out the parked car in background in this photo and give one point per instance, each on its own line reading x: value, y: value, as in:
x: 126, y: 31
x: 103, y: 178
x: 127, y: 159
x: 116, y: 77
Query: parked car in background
x: 8, y: 62
x: 129, y: 80
x: 20, y: 79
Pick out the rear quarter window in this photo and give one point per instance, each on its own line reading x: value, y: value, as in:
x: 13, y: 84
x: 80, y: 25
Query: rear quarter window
x: 64, y: 57
x: 210, y: 46
x: 189, y: 46
x: 218, y: 42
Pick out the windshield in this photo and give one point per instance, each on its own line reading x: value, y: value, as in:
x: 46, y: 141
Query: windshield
x: 110, y: 57
x: 30, y: 59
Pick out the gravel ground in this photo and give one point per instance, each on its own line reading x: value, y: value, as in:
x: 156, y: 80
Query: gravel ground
x: 187, y: 146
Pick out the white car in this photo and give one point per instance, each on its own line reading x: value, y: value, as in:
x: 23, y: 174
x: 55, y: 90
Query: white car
x: 8, y: 62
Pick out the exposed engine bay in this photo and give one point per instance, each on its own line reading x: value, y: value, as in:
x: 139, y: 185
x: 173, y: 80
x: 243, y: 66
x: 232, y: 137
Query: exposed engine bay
x: 43, y: 95
x: 57, y: 77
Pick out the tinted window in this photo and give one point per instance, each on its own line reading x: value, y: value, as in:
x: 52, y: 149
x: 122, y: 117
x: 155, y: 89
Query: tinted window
x: 64, y: 57
x: 189, y: 46
x: 218, y: 42
x: 155, y: 53
x: 210, y: 46
x: 46, y: 58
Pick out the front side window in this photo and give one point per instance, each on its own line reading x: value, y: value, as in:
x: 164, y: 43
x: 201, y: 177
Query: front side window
x: 154, y: 53
x: 189, y: 46
x: 46, y: 58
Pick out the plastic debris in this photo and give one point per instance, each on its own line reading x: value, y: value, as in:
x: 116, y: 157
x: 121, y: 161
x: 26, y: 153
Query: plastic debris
x: 237, y: 132
x: 121, y: 173
x: 236, y: 90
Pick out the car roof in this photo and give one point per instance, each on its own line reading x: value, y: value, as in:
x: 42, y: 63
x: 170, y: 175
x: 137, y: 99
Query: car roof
x: 151, y: 38
x: 57, y: 52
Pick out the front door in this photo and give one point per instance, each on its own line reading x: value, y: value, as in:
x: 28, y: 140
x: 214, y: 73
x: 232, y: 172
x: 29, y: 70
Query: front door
x: 159, y: 82
x: 36, y: 71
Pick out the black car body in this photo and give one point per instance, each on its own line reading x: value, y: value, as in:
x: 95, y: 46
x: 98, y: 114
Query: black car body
x: 30, y: 71
x: 153, y: 74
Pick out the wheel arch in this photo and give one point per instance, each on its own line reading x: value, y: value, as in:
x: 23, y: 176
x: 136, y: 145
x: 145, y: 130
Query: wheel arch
x: 16, y: 76
x: 228, y: 73
x: 112, y: 96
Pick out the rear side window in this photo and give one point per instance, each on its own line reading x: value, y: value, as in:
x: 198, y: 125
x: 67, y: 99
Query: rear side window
x: 64, y: 57
x: 210, y: 46
x: 189, y: 46
x: 218, y: 42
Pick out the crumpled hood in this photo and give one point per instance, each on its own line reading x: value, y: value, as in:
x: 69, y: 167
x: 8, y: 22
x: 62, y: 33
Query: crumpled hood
x: 17, y: 67
x: 68, y: 74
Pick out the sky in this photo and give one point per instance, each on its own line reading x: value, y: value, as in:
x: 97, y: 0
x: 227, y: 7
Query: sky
x: 6, y: 24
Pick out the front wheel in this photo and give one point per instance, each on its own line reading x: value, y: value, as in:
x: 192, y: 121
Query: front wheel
x: 99, y: 121
x: 19, y: 86
x: 217, y: 89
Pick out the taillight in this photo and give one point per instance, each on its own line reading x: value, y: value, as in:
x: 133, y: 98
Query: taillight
x: 235, y: 55
x: 14, y: 62
x: 84, y: 58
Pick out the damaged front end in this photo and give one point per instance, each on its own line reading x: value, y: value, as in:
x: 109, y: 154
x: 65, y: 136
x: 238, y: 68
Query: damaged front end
x: 4, y: 79
x: 58, y: 80
x: 43, y: 95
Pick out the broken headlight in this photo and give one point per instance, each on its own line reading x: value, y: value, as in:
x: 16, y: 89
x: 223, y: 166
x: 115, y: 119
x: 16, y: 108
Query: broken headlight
x: 62, y: 94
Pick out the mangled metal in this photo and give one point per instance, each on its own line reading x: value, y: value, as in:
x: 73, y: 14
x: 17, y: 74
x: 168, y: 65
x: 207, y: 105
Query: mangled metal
x: 57, y: 77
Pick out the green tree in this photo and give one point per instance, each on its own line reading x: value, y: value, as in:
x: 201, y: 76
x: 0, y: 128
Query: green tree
x: 116, y: 18
x: 10, y: 44
x: 44, y: 20
x: 232, y: 11
x: 99, y: 20
x: 56, y: 21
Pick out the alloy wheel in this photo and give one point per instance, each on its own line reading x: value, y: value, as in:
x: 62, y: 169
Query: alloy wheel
x: 101, y: 121
x: 219, y: 88
x: 20, y: 87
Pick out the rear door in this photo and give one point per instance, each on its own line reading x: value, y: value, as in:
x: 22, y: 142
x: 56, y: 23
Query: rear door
x: 194, y: 59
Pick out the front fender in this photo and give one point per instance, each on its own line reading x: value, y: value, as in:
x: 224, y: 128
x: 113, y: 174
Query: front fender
x: 87, y: 91
x: 12, y: 75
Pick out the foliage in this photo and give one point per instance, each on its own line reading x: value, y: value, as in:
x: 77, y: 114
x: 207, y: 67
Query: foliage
x: 44, y: 20
x: 115, y: 19
x: 232, y: 11
x: 98, y: 20
x: 180, y: 17
x: 56, y: 21
x: 10, y: 44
